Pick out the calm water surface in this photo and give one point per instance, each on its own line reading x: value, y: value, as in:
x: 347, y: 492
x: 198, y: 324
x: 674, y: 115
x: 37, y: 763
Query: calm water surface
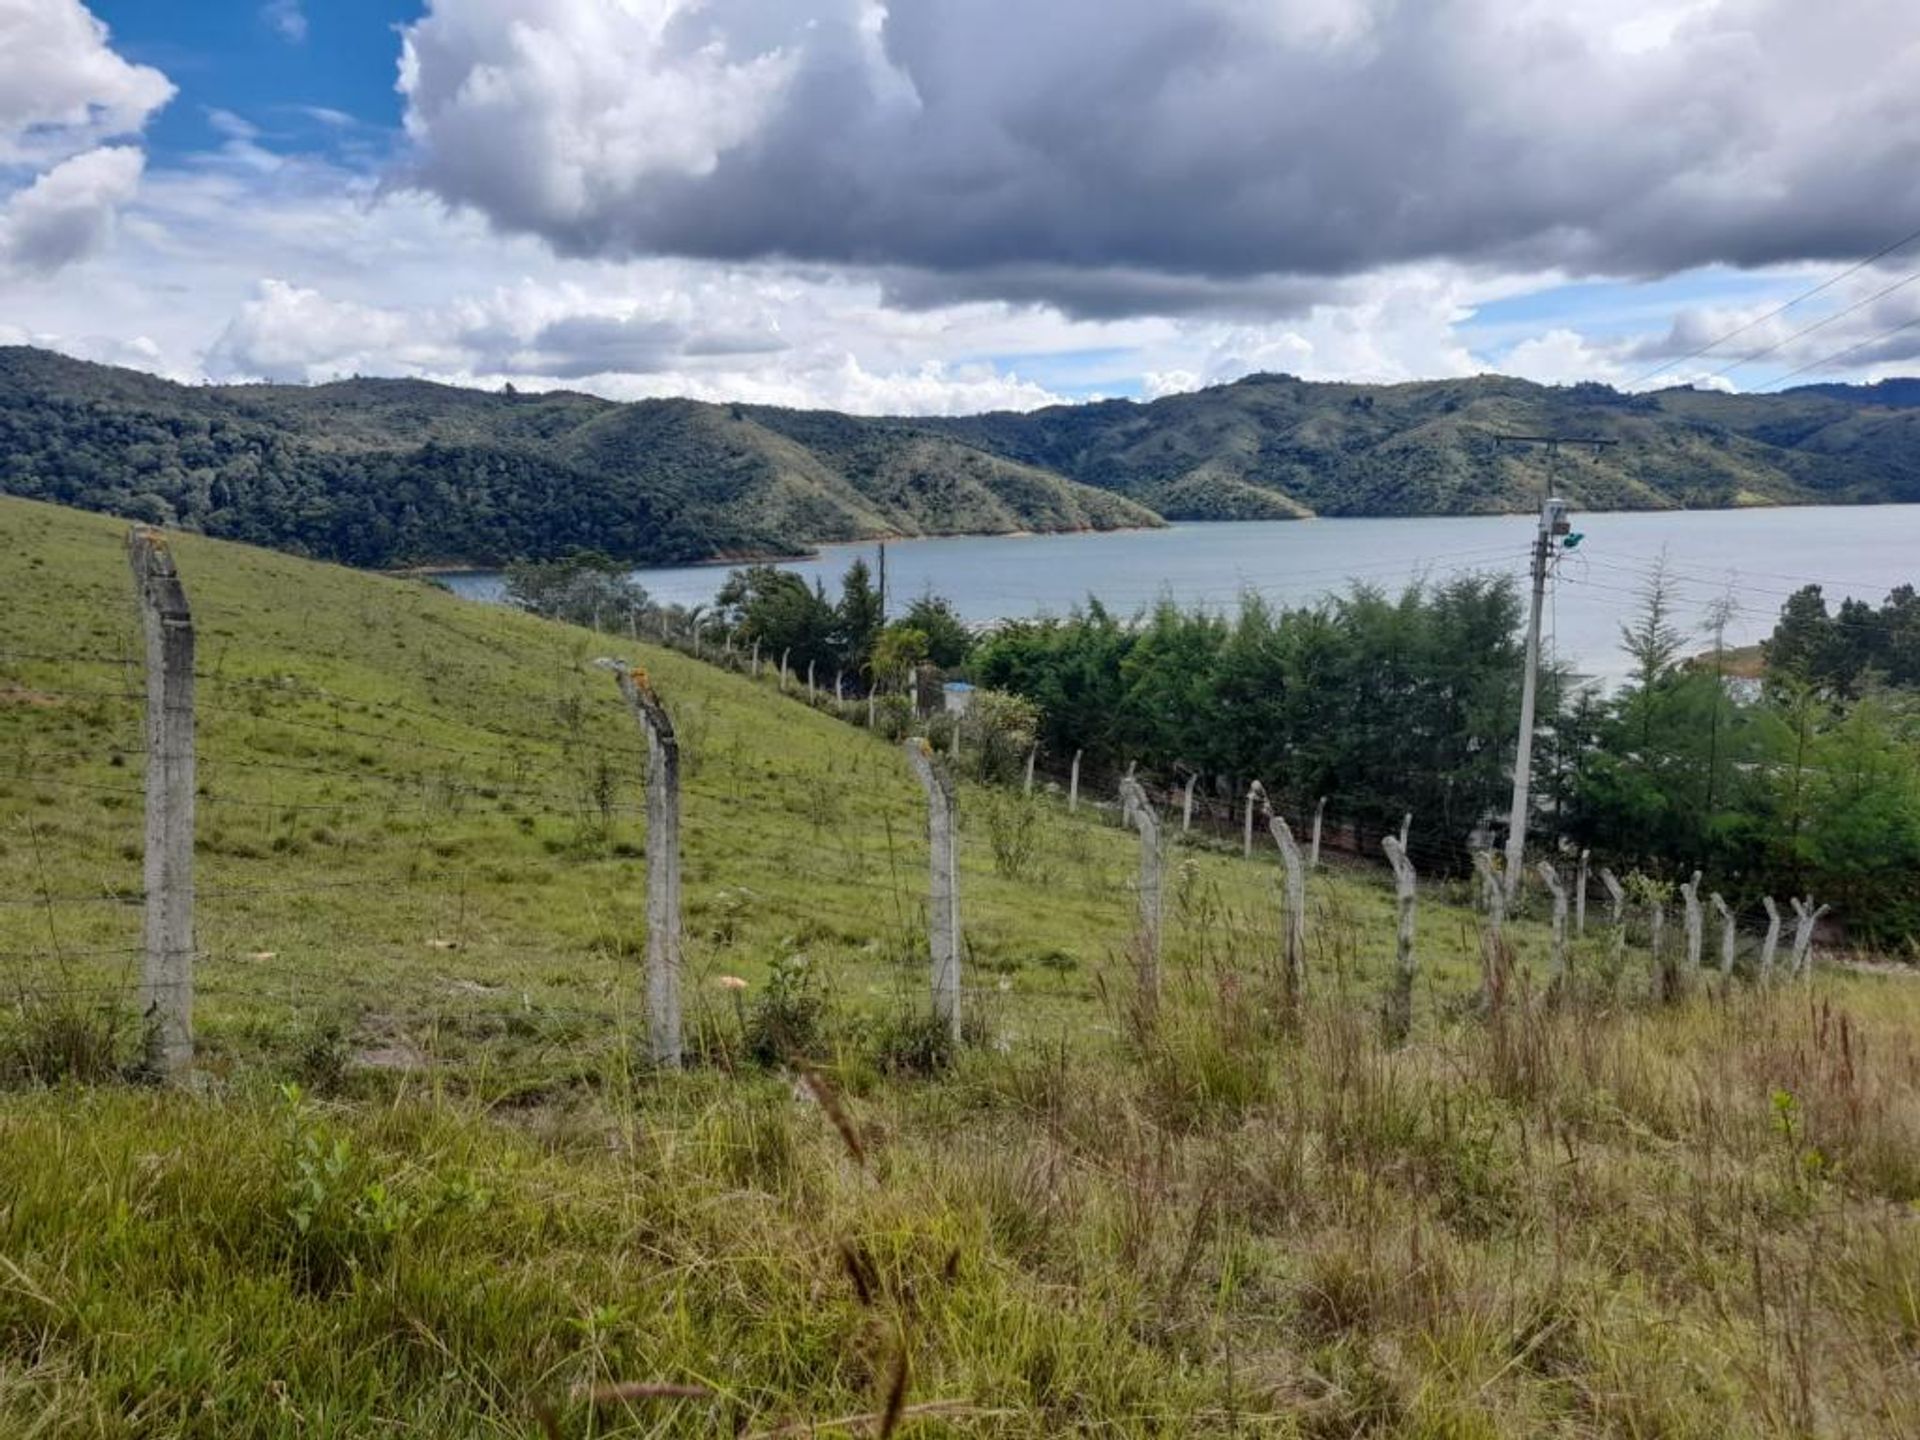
x: 1761, y: 555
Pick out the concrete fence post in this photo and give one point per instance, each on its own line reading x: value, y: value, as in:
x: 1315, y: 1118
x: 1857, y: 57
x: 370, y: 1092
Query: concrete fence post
x: 1033, y: 752
x: 1557, y: 965
x: 1398, y: 1014
x: 812, y: 693
x: 1073, y: 784
x: 1256, y: 801
x: 1319, y: 814
x: 1296, y: 954
x: 1617, y: 901
x: 840, y: 686
x: 1406, y: 828
x: 943, y: 883
x: 1580, y: 899
x: 783, y: 669
x: 1665, y: 979
x: 1770, y: 945
x: 1492, y: 952
x: 166, y: 975
x: 756, y: 659
x: 1690, y: 900
x: 1186, y: 804
x: 663, y: 866
x: 1135, y: 810
x: 1729, y: 933
x: 1805, y: 919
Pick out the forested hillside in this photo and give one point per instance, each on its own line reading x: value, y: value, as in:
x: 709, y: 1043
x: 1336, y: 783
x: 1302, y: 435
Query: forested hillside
x: 399, y: 472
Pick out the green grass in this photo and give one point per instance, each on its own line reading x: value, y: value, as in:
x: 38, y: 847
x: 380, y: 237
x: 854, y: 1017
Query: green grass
x: 425, y: 1188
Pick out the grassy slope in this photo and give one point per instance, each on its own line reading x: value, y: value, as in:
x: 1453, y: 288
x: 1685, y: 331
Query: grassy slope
x: 1582, y: 1223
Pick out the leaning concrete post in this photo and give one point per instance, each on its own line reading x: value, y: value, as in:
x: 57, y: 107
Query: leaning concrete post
x: 756, y: 659
x: 1032, y: 753
x: 1690, y: 899
x: 1772, y: 943
x: 1319, y: 814
x: 812, y: 694
x: 1666, y: 981
x: 1135, y: 811
x: 1580, y: 899
x: 1406, y: 828
x: 943, y: 887
x: 840, y: 686
x: 166, y: 975
x: 1073, y: 784
x: 1492, y: 963
x: 663, y: 866
x: 783, y: 668
x: 1256, y: 797
x: 1296, y: 974
x: 1617, y: 899
x: 1399, y: 1007
x: 1186, y: 804
x: 1729, y: 935
x: 1557, y: 967
x: 1805, y: 918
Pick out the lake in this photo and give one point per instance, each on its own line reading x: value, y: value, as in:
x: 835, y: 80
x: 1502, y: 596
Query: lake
x: 1762, y: 556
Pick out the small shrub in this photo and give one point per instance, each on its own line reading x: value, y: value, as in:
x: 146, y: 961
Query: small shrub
x: 789, y: 1017
x: 914, y: 1042
x: 1013, y: 831
x: 63, y: 1039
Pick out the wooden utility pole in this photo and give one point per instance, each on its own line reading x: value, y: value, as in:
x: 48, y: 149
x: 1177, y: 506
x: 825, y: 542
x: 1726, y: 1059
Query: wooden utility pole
x: 166, y: 976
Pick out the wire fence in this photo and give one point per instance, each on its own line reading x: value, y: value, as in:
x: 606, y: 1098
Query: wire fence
x: 431, y: 810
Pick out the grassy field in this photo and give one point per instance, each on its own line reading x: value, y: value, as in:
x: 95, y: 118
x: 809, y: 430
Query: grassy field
x: 423, y: 1187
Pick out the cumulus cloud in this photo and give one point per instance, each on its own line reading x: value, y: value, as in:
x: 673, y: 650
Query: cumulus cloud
x: 62, y: 91
x: 549, y: 336
x: 1081, y: 150
x: 62, y: 88
x: 68, y: 213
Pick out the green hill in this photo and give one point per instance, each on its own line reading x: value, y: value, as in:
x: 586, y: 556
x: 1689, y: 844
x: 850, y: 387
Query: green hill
x: 387, y: 473
x: 1272, y: 445
x: 422, y: 1185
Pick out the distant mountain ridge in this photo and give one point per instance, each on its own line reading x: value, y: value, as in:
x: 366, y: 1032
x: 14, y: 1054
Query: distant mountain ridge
x: 398, y: 472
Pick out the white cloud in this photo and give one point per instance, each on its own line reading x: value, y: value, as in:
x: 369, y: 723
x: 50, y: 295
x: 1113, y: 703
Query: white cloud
x: 68, y: 213
x: 62, y: 92
x: 62, y: 89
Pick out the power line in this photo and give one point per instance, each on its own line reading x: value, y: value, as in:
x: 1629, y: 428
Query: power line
x: 1816, y: 325
x: 1825, y: 360
x: 1827, y: 284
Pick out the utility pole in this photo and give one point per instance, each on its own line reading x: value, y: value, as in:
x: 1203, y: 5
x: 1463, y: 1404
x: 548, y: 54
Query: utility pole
x: 1555, y: 531
x: 883, y: 582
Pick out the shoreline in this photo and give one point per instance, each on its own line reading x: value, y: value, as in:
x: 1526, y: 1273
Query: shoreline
x: 818, y: 550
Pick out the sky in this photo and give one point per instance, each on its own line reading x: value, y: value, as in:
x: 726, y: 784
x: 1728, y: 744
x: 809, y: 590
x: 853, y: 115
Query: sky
x: 943, y: 206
